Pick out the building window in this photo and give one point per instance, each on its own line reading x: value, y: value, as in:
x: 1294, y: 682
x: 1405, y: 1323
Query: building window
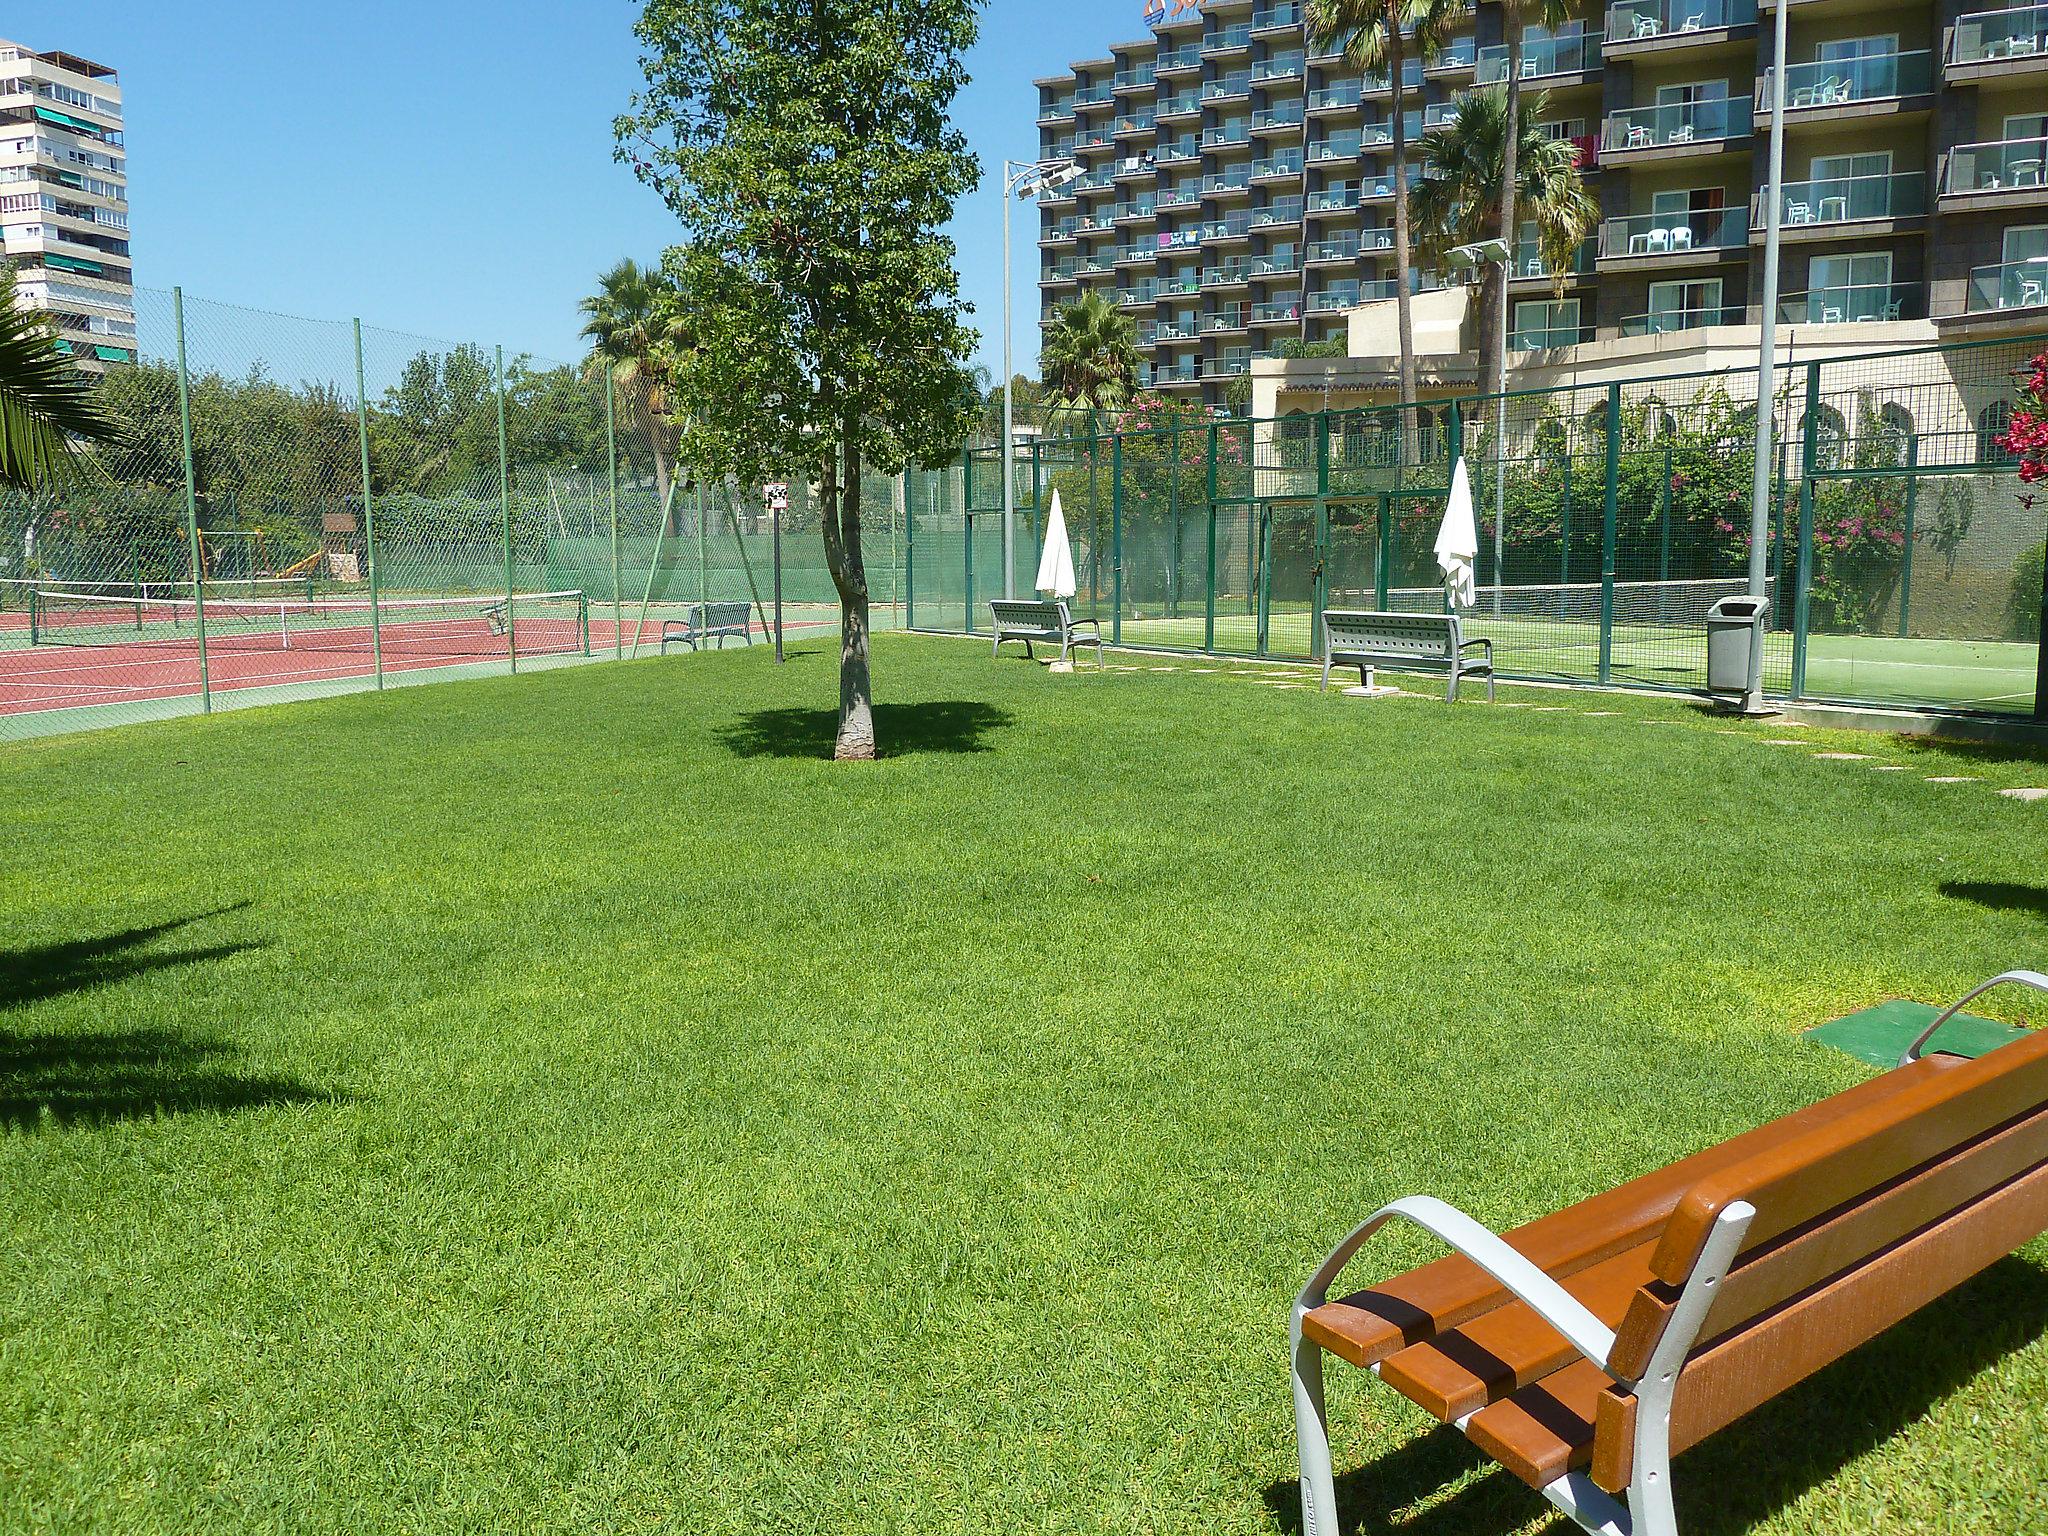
x: 1992, y: 424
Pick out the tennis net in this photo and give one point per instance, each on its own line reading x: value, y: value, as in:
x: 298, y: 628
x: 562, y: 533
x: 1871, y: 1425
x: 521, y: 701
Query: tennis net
x: 16, y: 592
x: 530, y: 623
x: 1639, y: 605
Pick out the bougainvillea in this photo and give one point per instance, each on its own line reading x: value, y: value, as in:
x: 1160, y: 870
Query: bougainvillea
x: 2026, y: 435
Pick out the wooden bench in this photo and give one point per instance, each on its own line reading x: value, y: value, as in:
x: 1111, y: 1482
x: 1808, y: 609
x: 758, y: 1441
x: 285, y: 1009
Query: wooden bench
x: 1585, y: 1349
x: 1427, y: 640
x: 1029, y: 619
x: 704, y: 622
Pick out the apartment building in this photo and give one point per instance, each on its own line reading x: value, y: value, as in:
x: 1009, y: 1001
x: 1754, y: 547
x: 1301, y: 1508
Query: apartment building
x: 64, y: 199
x: 1238, y: 184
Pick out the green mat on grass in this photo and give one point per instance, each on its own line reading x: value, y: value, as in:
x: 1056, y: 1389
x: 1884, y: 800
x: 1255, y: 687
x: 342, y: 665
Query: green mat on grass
x: 1880, y: 1035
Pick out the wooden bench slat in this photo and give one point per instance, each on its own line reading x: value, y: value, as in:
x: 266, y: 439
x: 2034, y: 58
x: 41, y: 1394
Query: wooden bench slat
x: 1367, y: 1326
x: 1791, y: 1182
x: 1545, y: 1430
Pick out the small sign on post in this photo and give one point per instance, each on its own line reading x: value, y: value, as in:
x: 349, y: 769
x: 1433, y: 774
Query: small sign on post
x: 776, y: 494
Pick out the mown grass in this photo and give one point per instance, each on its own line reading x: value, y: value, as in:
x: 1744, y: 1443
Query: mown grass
x: 569, y: 1104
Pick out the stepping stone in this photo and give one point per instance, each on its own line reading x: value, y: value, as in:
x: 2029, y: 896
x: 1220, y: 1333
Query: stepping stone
x: 1201, y: 669
x: 1548, y: 709
x: 1601, y: 714
x: 1162, y: 669
x: 1844, y: 757
x: 1785, y: 741
x: 2025, y: 794
x: 1887, y: 767
x: 1953, y: 778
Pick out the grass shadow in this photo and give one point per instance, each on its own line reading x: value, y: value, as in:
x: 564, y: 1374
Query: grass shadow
x: 1748, y: 1472
x: 51, y: 970
x: 940, y: 725
x: 1999, y: 895
x: 94, y: 1077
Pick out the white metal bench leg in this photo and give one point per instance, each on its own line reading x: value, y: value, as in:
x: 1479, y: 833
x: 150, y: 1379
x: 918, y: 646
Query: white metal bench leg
x: 1312, y: 1437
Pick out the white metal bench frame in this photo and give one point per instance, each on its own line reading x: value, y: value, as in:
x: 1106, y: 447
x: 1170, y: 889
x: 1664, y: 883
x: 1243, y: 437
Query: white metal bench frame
x: 1367, y: 639
x: 706, y: 622
x: 1027, y: 620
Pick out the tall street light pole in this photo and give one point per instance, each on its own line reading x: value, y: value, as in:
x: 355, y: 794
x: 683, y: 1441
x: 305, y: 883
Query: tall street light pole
x: 1767, y: 349
x: 1025, y: 178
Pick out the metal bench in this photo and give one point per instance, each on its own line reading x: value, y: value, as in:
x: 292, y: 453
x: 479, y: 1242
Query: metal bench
x: 1360, y: 637
x: 705, y: 622
x: 1030, y: 619
x: 1585, y: 1349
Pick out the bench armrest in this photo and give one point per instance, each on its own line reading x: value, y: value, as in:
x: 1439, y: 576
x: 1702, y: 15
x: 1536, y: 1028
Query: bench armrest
x: 1529, y: 1284
x: 1483, y: 640
x: 1094, y: 624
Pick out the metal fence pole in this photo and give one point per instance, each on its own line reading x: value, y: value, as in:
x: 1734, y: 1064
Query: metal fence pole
x: 909, y: 557
x: 1116, y: 538
x: 1383, y: 564
x: 369, y: 514
x: 1607, y: 518
x: 1802, y: 594
x: 1173, y: 520
x: 505, y: 515
x: 192, y: 503
x: 1664, y: 522
x: 2041, y: 643
x: 611, y: 447
x: 1319, y: 589
x: 1906, y: 549
x: 1209, y: 594
x: 775, y: 534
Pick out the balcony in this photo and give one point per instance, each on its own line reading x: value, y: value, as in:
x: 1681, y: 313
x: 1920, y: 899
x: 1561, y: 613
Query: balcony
x: 2010, y: 285
x: 1237, y: 227
x: 1060, y: 272
x: 1847, y: 304
x: 1530, y: 269
x: 1062, y: 233
x: 2005, y: 173
x: 1342, y: 146
x: 1181, y: 371
x: 1127, y: 255
x: 1229, y: 88
x: 1186, y: 57
x: 1988, y: 45
x: 1341, y: 250
x: 1681, y: 129
x: 1282, y: 210
x: 1288, y: 66
x: 1226, y: 367
x: 1543, y: 338
x: 1815, y: 208
x: 1665, y: 238
x: 1287, y: 163
x: 1228, y: 318
x: 1330, y: 98
x: 1276, y: 119
x: 1545, y: 61
x: 1136, y: 208
x: 1183, y: 105
x: 1176, y: 287
x: 1457, y: 58
x: 1137, y: 78
x: 1183, y: 151
x: 1237, y: 183
x: 1873, y: 84
x: 1652, y: 26
x: 1234, y: 273
x: 1168, y: 330
x: 1276, y: 265
x: 1277, y: 18
x: 1137, y: 122
x: 1276, y: 311
x: 1093, y: 138
x: 1380, y: 84
x: 1333, y: 200
x: 1134, y: 168
x: 1237, y: 39
x: 1342, y: 296
x: 1226, y: 138
x: 1093, y: 96
x: 1381, y: 188
x: 1178, y: 197
x: 1053, y: 113
x: 1664, y: 322
x: 1179, y: 239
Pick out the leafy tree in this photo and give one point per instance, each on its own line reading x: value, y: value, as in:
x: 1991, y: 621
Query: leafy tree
x: 1090, y: 354
x: 1458, y: 199
x: 1379, y: 36
x: 45, y: 402
x: 807, y: 151
x: 1511, y: 185
x: 635, y: 326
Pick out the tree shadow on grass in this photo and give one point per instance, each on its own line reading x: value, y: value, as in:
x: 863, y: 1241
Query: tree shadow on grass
x: 1749, y: 1471
x: 1999, y: 895
x: 940, y: 725
x: 52, y: 970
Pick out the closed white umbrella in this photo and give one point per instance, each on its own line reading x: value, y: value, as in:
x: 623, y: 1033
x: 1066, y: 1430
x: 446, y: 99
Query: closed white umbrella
x: 1457, y: 542
x: 1056, y: 564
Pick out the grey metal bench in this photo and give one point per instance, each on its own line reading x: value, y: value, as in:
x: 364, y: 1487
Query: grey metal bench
x: 1354, y: 636
x: 1027, y: 620
x: 705, y: 622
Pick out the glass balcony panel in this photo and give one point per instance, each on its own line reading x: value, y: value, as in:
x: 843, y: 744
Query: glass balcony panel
x: 2009, y: 285
x: 2000, y: 166
x: 1347, y: 94
x: 1237, y: 84
x: 1529, y: 260
x: 1636, y: 21
x: 1836, y: 82
x: 1678, y: 122
x: 1842, y: 198
x: 1657, y: 234
x: 1537, y: 338
x: 1288, y: 15
x: 1983, y: 36
x: 1459, y: 53
x: 1845, y: 303
x: 1543, y: 58
x: 1228, y: 39
x: 1663, y: 322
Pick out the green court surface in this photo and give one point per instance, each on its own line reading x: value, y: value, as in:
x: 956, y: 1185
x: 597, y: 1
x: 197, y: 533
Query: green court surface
x: 568, y: 1103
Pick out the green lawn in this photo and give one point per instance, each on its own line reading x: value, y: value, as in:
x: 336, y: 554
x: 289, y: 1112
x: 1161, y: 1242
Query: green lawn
x: 567, y: 1104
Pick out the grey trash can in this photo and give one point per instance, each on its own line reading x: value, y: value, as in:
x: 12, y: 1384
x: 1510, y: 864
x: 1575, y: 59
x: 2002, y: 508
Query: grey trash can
x: 1731, y: 623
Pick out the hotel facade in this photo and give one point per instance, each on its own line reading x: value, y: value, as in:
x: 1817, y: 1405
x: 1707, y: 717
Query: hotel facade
x: 64, y: 199
x: 1237, y: 187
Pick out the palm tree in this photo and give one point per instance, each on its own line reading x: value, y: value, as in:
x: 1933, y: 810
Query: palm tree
x: 1514, y: 16
x: 1377, y: 35
x: 46, y: 405
x: 635, y: 324
x: 1090, y: 354
x: 1458, y: 199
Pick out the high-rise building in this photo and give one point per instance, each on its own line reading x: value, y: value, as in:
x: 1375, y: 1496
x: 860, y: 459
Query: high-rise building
x: 64, y: 199
x: 1238, y: 182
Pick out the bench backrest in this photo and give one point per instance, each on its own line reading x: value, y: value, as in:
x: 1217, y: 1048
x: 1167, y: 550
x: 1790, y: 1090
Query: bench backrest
x: 709, y: 615
x: 1859, y: 1222
x: 1029, y: 613
x: 1424, y: 636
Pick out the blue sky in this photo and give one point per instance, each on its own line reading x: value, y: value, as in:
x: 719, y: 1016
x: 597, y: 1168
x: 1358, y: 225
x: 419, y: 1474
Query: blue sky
x: 444, y: 166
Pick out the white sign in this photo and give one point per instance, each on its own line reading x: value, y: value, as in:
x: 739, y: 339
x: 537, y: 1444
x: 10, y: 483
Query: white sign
x: 777, y: 494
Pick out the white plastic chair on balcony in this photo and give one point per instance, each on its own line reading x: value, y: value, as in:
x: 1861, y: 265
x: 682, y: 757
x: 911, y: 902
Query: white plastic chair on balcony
x: 1681, y: 237
x: 1660, y: 239
x: 1534, y: 267
x: 1638, y: 136
x: 2032, y: 293
x: 2025, y: 173
x: 1646, y: 26
x: 1680, y: 135
x: 1798, y: 213
x: 1694, y: 22
x: 1834, y: 210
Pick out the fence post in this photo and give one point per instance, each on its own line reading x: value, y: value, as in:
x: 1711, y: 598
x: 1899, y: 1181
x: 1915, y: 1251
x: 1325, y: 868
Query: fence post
x: 2041, y: 643
x: 611, y: 447
x: 1383, y: 562
x: 369, y: 514
x: 1209, y: 587
x: 505, y: 515
x: 1116, y: 537
x: 1173, y: 521
x: 967, y: 522
x: 192, y: 503
x: 909, y: 553
x: 1802, y: 608
x: 703, y: 558
x: 1906, y: 550
x: 1664, y: 535
x: 1607, y: 516
x: 1319, y: 592
x: 1564, y: 537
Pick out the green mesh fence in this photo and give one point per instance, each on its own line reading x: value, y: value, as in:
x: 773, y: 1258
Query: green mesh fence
x: 301, y: 507
x: 1904, y: 558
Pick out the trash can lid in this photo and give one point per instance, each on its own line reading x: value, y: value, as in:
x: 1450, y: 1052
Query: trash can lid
x: 1744, y: 607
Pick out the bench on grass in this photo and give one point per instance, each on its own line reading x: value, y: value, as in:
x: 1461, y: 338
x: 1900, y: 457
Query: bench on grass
x: 1364, y: 638
x: 1585, y: 1349
x: 1028, y: 619
x: 704, y: 622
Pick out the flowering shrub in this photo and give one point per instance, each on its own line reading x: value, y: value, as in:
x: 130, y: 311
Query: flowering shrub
x: 2026, y: 436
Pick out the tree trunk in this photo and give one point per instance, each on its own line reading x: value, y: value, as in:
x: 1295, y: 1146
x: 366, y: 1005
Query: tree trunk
x: 1510, y: 226
x: 661, y: 474
x: 1404, y: 319
x: 841, y: 507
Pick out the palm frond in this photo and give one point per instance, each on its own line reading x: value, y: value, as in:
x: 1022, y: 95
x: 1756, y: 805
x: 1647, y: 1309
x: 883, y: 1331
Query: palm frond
x: 47, y: 405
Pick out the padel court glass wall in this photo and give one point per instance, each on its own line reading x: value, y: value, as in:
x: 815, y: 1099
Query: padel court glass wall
x: 1905, y: 556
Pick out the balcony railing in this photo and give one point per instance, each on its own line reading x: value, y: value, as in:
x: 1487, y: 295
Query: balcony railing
x: 1177, y: 239
x: 1279, y: 262
x: 1985, y: 36
x: 1837, y: 82
x: 1460, y: 53
x: 1334, y: 250
x: 1179, y: 197
x: 1529, y: 260
x: 1092, y: 138
x: 1543, y: 58
x: 2004, y: 165
x: 1663, y: 322
x: 1379, y: 83
x: 1539, y: 338
x: 1288, y: 66
x: 1187, y: 56
x: 1229, y: 183
x: 1845, y: 199
x: 1225, y: 138
x: 1282, y: 210
x: 1333, y: 200
x: 1060, y: 272
x: 1228, y: 39
x: 1134, y: 78
x: 1288, y: 15
x: 1287, y: 307
x: 1383, y: 186
x: 1229, y: 274
x: 2009, y: 285
x: 1178, y: 152
x: 1343, y: 296
x: 1659, y: 234
x: 1237, y: 227
x: 1638, y: 21
x: 1179, y: 105
x: 1848, y: 302
x: 1173, y: 287
x: 1168, y: 330
x: 1287, y: 163
x: 1237, y: 84
x: 1136, y: 122
x: 1229, y: 317
x: 1057, y: 111
x: 1093, y: 96
x: 1347, y: 94
x: 1343, y: 146
x: 1679, y: 122
x: 1288, y: 116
